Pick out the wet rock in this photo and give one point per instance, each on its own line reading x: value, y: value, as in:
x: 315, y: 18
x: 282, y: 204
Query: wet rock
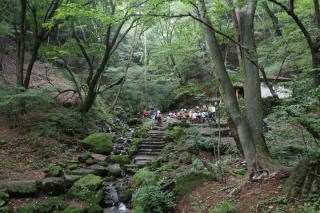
x: 99, y: 170
x: 111, y: 197
x: 87, y: 188
x: 52, y: 186
x: 54, y: 171
x: 22, y: 188
x: 99, y: 157
x: 84, y: 157
x: 82, y: 172
x: 123, y: 190
x: 70, y: 179
x: 114, y: 170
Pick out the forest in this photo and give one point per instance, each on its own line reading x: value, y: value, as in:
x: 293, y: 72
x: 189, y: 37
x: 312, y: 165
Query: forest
x: 159, y: 106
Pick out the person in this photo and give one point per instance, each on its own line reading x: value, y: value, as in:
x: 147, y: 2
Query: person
x: 197, y: 108
x: 194, y: 117
x: 158, y: 117
x: 264, y: 126
x: 203, y: 116
x: 186, y: 115
x: 144, y: 113
x: 117, y: 121
x: 199, y: 117
x: 210, y: 116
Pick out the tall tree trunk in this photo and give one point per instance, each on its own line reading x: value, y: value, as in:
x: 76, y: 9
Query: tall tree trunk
x: 274, y: 18
x: 230, y: 97
x: 316, y: 66
x: 34, y: 55
x: 21, y: 44
x: 253, y: 100
x: 317, y: 11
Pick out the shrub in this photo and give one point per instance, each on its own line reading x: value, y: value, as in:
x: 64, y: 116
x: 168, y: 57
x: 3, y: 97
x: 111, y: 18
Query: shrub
x: 149, y: 199
x: 141, y: 133
x: 225, y: 207
x: 144, y: 177
x: 175, y: 134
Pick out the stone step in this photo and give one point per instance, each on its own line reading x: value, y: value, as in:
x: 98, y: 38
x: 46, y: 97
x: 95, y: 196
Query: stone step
x: 162, y: 144
x: 149, y: 153
x: 149, y: 145
x: 158, y: 149
x: 143, y: 157
x: 154, y: 141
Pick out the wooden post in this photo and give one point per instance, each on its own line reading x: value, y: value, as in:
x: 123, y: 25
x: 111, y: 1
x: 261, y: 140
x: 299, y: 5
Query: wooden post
x: 237, y: 93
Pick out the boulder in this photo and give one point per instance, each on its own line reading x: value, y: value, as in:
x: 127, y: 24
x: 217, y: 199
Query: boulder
x: 99, y: 157
x: 21, y: 188
x: 90, y: 161
x: 70, y: 179
x: 73, y: 166
x: 99, y: 170
x: 114, y: 170
x: 84, y: 157
x: 87, y: 188
x: 52, y: 186
x: 54, y: 171
x: 100, y: 143
x: 120, y: 159
x: 82, y: 172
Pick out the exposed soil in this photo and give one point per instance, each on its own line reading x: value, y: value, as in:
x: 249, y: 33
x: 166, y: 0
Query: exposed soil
x: 253, y: 197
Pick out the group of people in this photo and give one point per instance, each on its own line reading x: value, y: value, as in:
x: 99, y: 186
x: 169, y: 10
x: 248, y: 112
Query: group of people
x: 198, y: 115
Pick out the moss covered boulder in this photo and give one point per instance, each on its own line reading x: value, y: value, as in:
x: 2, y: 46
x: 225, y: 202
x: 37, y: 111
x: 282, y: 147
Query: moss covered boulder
x: 52, y: 186
x: 22, y: 188
x: 120, y: 159
x: 54, y: 171
x: 100, y: 143
x: 190, y: 181
x: 87, y: 188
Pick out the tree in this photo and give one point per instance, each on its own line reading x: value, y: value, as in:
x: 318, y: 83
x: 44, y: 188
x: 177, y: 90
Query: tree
x: 249, y: 126
x: 313, y: 44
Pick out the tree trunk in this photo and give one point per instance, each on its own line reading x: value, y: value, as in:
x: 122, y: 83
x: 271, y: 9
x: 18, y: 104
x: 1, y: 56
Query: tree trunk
x: 316, y: 66
x: 317, y: 12
x: 36, y: 46
x: 88, y: 101
x: 21, y: 44
x: 274, y: 18
x: 254, y: 110
x: 230, y: 97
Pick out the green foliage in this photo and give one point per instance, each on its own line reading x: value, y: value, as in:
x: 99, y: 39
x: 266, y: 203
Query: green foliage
x: 120, y: 159
x: 151, y: 198
x: 140, y: 133
x: 134, y: 146
x: 14, y: 100
x: 175, y: 134
x: 144, y: 177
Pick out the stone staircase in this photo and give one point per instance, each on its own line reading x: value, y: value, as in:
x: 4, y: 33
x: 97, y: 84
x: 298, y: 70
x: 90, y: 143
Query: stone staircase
x: 151, y: 146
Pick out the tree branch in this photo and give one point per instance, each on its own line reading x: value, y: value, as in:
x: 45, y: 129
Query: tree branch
x: 111, y: 85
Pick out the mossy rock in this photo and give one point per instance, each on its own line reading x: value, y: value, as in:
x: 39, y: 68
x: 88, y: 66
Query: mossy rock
x: 100, y: 143
x: 84, y: 157
x: 71, y: 209
x: 52, y: 186
x: 190, y: 181
x: 95, y: 208
x: 23, y: 188
x: 87, y: 188
x: 26, y: 209
x: 55, y: 203
x: 90, y: 161
x: 120, y: 159
x: 239, y: 171
x: 54, y: 171
x: 62, y: 164
x: 73, y: 166
x: 114, y: 170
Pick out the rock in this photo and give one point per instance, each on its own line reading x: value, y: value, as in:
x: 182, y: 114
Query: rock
x: 82, y: 172
x: 21, y: 188
x: 99, y: 157
x: 124, y: 191
x: 54, y: 171
x: 111, y: 197
x: 6, y: 209
x: 120, y: 159
x: 52, y: 186
x: 73, y: 166
x: 100, y: 143
x: 114, y: 170
x: 90, y: 161
x: 62, y: 164
x: 84, y: 157
x: 70, y: 179
x: 87, y: 188
x: 99, y: 170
